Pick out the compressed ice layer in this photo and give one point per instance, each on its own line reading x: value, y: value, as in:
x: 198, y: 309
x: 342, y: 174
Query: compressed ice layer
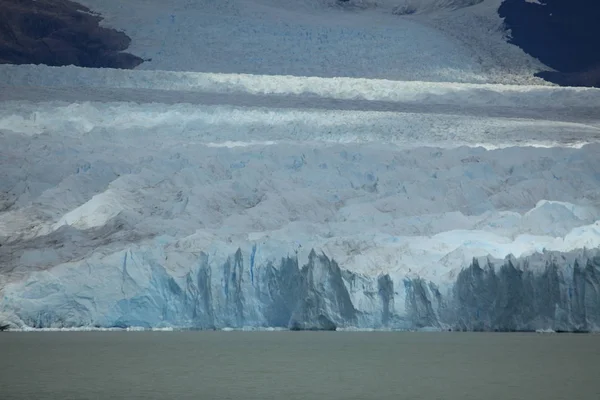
x: 424, y: 92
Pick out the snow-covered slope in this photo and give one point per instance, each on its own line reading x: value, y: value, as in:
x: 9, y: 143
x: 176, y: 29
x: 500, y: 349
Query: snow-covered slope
x: 326, y: 38
x: 218, y: 197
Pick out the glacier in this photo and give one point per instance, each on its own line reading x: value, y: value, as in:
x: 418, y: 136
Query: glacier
x: 177, y: 234
x: 284, y: 183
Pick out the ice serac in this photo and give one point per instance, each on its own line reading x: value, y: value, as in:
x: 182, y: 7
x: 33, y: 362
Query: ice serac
x: 424, y: 303
x: 385, y: 287
x: 324, y: 302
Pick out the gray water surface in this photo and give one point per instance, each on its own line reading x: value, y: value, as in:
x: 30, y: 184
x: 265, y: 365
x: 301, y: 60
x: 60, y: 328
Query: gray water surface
x: 298, y: 365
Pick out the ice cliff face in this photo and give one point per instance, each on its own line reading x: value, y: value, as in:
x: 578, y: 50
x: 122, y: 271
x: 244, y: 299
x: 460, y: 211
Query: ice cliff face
x: 142, y: 288
x: 563, y: 295
x: 139, y: 291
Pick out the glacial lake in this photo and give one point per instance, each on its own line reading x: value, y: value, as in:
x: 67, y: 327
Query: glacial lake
x: 298, y: 365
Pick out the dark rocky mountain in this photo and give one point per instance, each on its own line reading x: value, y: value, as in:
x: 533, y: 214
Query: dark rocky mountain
x: 59, y: 32
x: 564, y: 35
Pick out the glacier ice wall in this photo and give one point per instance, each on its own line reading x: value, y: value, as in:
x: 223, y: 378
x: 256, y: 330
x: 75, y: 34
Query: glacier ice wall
x: 144, y: 288
x: 134, y: 289
x: 562, y: 294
